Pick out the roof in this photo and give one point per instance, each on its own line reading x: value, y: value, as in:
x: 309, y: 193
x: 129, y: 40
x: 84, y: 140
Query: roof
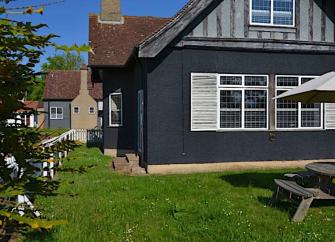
x: 113, y: 44
x: 156, y: 42
x: 29, y: 105
x: 65, y: 85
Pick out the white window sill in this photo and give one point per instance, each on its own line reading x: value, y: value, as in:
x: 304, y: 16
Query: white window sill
x: 273, y: 28
x: 115, y: 126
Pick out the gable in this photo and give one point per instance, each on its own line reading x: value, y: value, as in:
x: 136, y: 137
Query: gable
x: 314, y: 21
x: 230, y: 19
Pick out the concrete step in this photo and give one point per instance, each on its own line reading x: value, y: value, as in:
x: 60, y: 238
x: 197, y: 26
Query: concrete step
x: 132, y: 159
x: 138, y: 171
x: 120, y: 164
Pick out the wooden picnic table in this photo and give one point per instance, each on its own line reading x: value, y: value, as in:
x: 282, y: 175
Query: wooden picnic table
x: 322, y: 168
x: 324, y: 189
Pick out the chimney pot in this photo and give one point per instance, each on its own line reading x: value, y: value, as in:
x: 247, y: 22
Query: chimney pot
x: 111, y: 11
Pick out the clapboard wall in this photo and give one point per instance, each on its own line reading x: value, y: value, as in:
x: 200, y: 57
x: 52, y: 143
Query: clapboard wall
x: 314, y: 21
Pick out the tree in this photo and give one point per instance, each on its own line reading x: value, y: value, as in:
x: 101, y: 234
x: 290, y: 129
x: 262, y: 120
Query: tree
x: 21, y: 47
x: 67, y: 61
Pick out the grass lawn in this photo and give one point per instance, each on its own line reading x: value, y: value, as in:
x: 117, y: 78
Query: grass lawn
x: 231, y: 206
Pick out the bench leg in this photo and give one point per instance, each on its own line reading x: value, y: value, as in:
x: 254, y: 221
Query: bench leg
x: 302, y: 209
x: 274, y: 198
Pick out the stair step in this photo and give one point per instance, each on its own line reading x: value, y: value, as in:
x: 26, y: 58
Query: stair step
x: 132, y: 158
x: 120, y: 164
x: 138, y: 171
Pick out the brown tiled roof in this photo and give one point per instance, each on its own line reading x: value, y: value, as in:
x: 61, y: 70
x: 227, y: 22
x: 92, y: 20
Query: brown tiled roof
x: 28, y: 106
x: 113, y: 44
x: 65, y: 85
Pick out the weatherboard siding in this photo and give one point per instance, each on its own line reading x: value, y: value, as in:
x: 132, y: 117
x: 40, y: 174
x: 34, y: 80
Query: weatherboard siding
x: 169, y: 138
x: 58, y: 123
x: 314, y: 21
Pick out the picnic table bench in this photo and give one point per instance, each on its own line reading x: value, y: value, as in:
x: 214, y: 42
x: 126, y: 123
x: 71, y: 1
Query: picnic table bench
x: 323, y: 189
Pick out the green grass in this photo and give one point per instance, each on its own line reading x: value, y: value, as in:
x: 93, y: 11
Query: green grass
x: 228, y: 206
x: 46, y: 132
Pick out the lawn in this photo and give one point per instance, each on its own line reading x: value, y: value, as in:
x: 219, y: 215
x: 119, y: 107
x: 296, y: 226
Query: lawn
x: 103, y: 206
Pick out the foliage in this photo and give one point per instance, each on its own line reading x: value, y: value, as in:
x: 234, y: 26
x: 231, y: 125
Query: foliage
x: 21, y: 47
x: 49, y: 133
x: 227, y: 206
x: 67, y: 61
x: 35, y: 92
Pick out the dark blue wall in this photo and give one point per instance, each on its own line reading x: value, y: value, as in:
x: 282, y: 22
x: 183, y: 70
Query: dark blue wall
x: 58, y: 123
x: 168, y: 136
x: 120, y: 137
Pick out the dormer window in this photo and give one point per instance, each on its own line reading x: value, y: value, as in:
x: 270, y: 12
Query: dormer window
x: 272, y: 12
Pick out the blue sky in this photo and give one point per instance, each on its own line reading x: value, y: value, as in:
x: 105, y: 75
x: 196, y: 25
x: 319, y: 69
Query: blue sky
x: 69, y: 19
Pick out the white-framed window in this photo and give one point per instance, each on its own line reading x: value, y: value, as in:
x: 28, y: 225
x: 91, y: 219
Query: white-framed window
x: 76, y: 110
x: 56, y: 112
x: 272, y: 12
x: 295, y: 115
x: 115, y: 109
x: 91, y: 110
x: 243, y: 102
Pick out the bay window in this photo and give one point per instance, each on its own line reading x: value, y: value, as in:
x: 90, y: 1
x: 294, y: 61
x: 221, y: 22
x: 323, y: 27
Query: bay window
x: 243, y: 101
x: 294, y: 115
x: 272, y: 12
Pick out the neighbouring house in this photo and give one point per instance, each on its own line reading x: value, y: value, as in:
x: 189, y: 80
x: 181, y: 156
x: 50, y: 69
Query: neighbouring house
x: 199, y: 87
x: 30, y: 115
x: 72, y: 101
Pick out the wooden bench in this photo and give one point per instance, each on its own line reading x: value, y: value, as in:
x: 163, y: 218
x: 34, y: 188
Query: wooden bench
x: 307, y: 196
x: 304, y: 177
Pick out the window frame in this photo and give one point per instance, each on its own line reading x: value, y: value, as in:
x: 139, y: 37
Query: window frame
x: 73, y: 111
x: 287, y: 88
x: 242, y: 87
x: 110, y: 109
x: 89, y: 110
x: 57, y: 118
x: 271, y: 24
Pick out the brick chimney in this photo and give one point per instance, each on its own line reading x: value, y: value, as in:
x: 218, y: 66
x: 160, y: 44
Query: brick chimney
x: 111, y: 12
x: 83, y: 79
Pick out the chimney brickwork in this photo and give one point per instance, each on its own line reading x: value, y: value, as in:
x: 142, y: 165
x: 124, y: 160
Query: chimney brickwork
x: 111, y: 11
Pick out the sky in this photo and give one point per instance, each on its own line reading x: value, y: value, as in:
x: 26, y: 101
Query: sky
x: 69, y: 19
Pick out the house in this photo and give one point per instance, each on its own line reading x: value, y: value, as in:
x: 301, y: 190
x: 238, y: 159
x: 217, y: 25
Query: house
x: 198, y: 89
x: 72, y: 101
x: 30, y: 115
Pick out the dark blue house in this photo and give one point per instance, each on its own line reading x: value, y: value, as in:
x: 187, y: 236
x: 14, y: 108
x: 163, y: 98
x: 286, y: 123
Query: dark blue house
x: 198, y: 88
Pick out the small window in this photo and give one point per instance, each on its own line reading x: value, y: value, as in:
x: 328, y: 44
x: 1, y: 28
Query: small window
x: 272, y: 12
x: 115, y: 109
x: 76, y: 110
x: 56, y: 113
x: 91, y: 110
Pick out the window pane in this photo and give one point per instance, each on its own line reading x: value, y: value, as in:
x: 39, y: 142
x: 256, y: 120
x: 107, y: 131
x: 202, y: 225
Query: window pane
x: 53, y: 110
x: 287, y: 113
x: 230, y: 109
x: 255, y: 81
x: 59, y: 111
x: 283, y: 12
x: 306, y: 79
x: 76, y: 109
x: 287, y: 81
x: 310, y: 115
x: 91, y: 110
x: 255, y: 109
x: 230, y: 80
x: 116, y: 102
x: 261, y: 11
x: 115, y: 117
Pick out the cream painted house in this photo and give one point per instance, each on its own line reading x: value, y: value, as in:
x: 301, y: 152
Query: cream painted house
x: 72, y: 101
x: 84, y: 108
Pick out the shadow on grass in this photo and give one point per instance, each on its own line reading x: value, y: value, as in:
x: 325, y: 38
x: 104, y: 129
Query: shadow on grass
x: 253, y: 179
